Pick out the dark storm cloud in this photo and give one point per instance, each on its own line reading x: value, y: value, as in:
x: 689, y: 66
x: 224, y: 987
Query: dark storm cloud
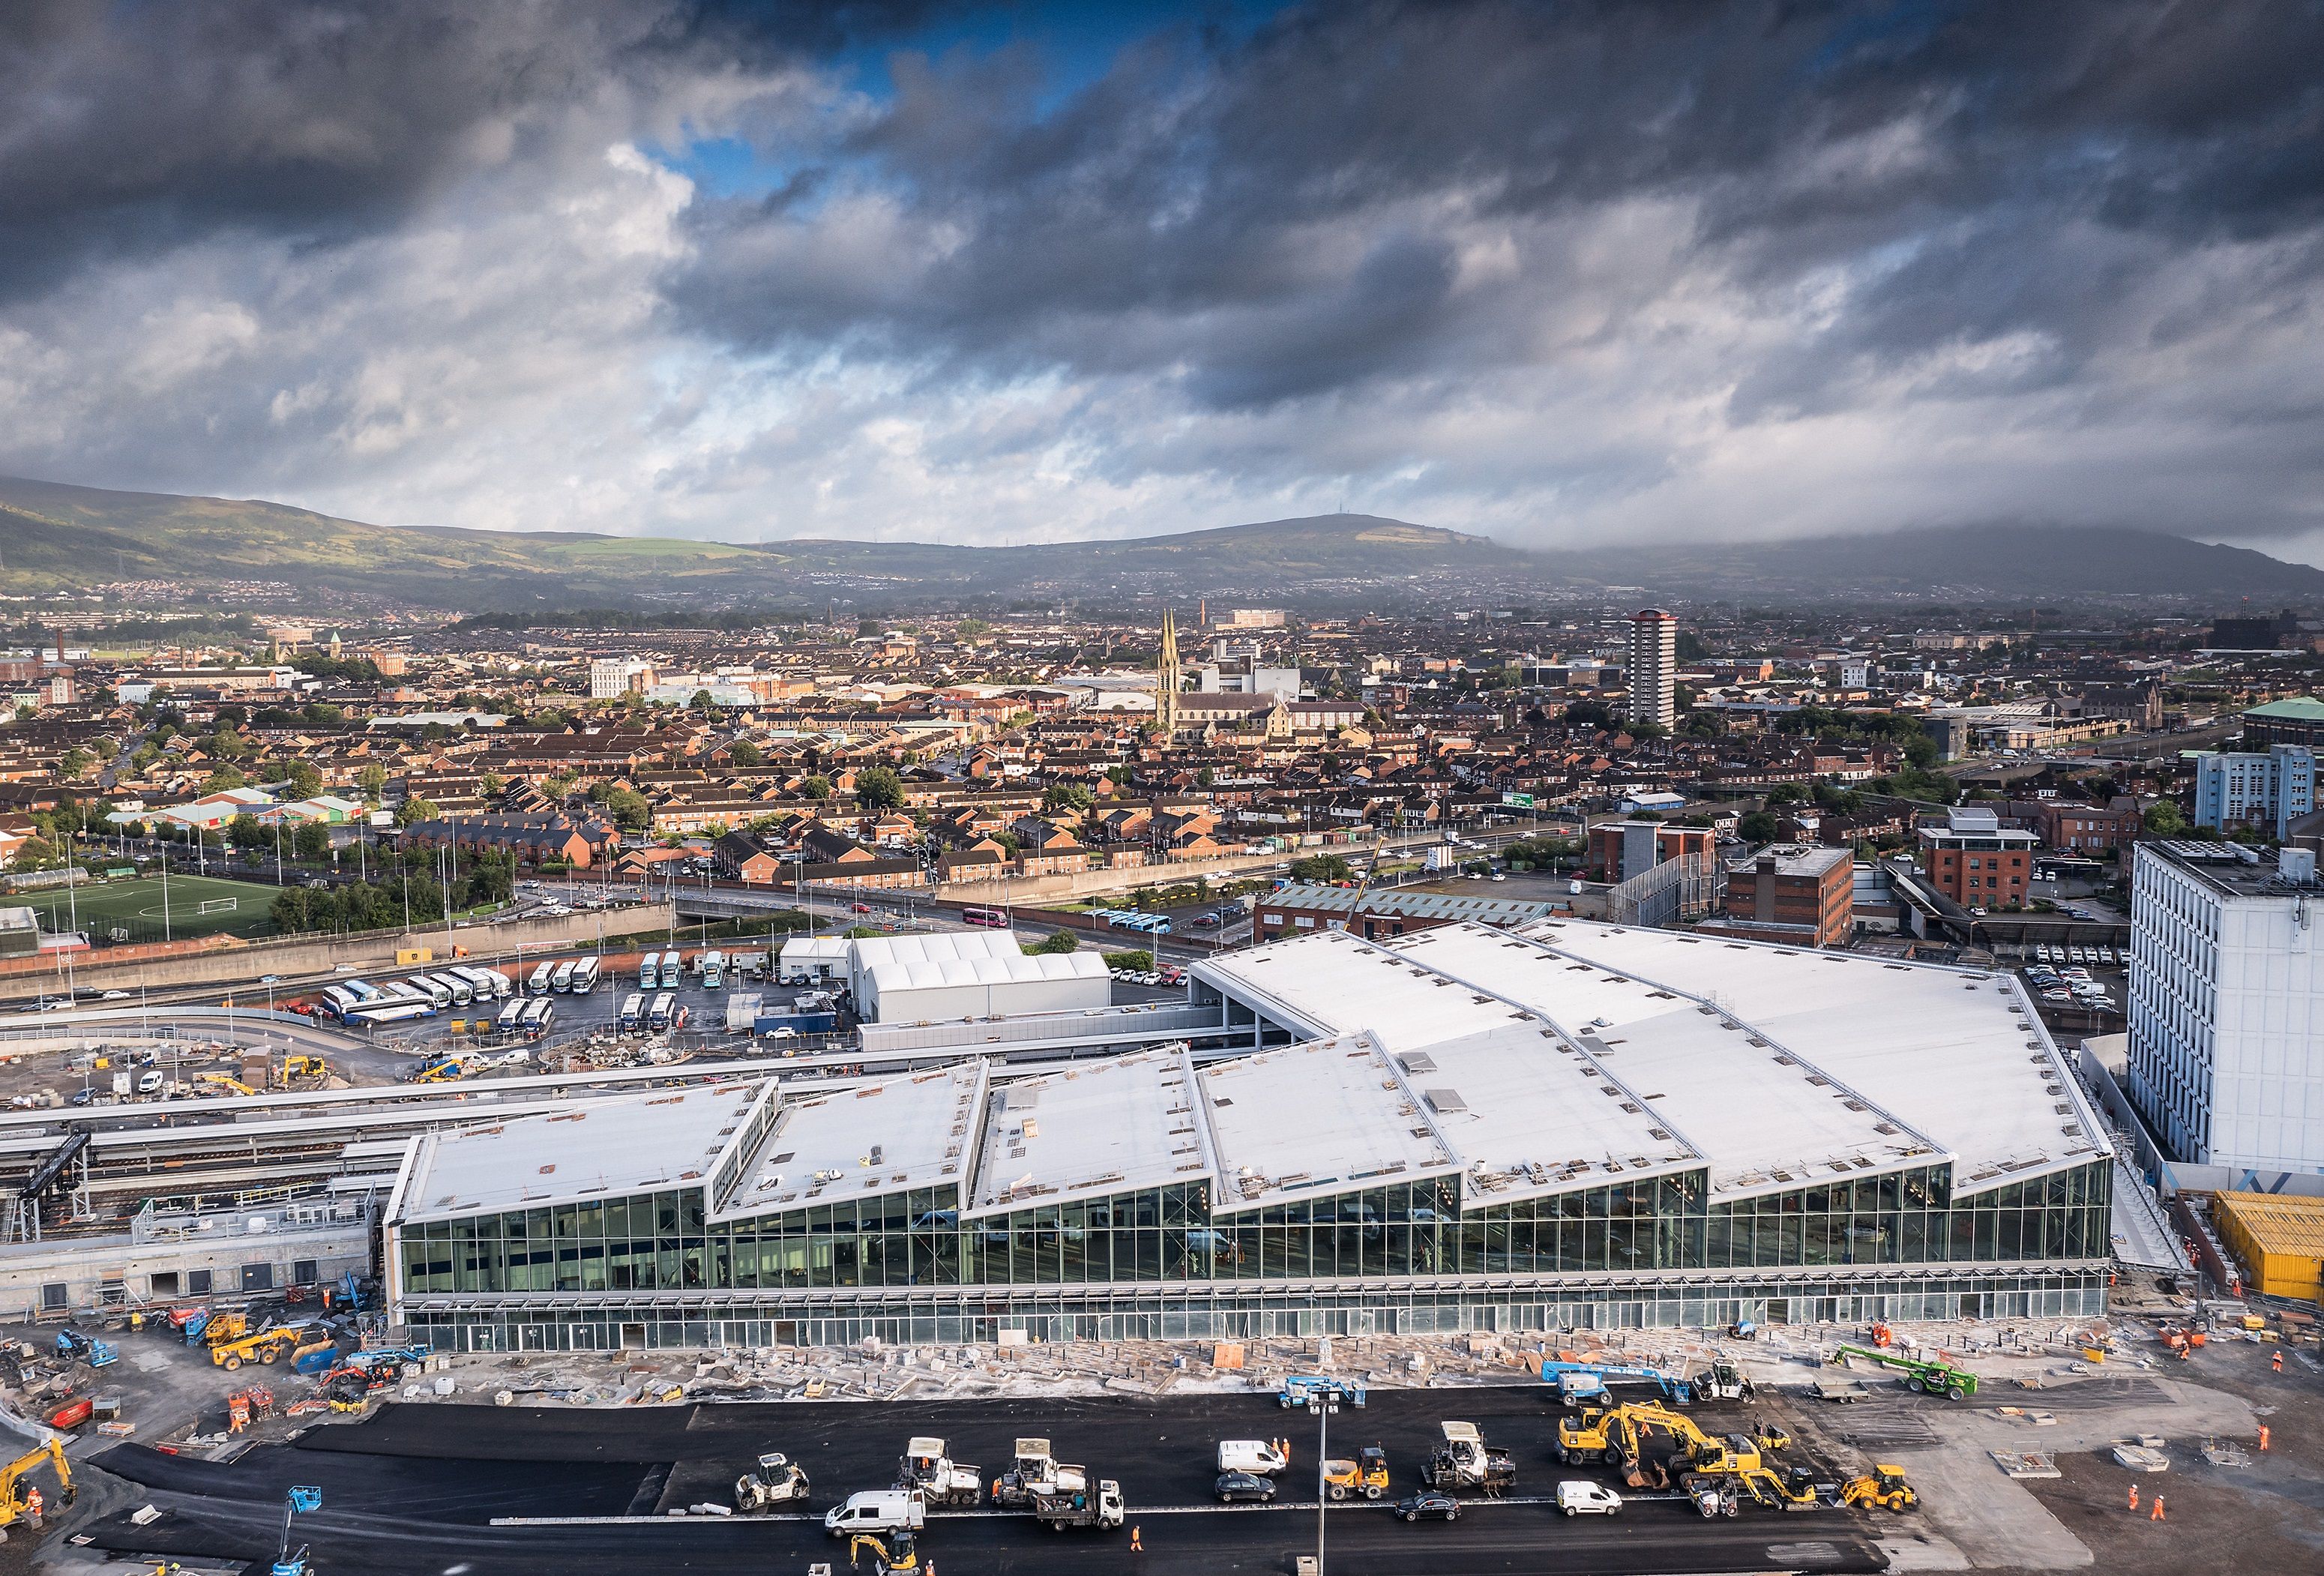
x: 132, y: 128
x: 1254, y: 195
x: 1548, y: 270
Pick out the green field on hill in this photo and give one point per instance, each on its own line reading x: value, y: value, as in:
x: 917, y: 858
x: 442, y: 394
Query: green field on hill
x: 197, y: 906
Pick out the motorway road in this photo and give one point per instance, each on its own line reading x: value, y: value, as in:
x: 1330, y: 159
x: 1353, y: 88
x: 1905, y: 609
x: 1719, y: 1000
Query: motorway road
x: 418, y: 1488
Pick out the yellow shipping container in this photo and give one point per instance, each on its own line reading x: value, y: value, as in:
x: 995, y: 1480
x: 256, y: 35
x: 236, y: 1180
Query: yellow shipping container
x: 407, y: 956
x: 2279, y: 1240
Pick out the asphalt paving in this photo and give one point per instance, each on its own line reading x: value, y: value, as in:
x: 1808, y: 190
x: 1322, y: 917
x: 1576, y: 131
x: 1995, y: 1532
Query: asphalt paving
x: 489, y: 1490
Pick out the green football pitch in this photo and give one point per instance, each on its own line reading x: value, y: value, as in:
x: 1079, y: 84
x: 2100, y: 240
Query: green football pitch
x: 197, y: 906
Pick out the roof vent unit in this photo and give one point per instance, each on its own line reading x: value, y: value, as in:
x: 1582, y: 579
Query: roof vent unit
x: 1445, y: 1102
x: 1417, y: 1062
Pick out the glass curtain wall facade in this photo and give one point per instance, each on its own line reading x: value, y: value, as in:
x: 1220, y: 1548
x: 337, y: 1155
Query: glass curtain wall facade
x: 1160, y: 1253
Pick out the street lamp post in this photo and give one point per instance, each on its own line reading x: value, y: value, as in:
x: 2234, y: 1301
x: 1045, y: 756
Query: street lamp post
x: 1321, y: 1401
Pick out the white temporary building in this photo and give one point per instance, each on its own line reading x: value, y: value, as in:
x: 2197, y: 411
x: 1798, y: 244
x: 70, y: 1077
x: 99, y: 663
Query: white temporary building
x: 821, y: 959
x: 969, y: 974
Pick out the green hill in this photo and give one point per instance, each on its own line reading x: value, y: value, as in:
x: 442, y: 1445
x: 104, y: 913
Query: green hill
x: 56, y: 538
x: 66, y: 537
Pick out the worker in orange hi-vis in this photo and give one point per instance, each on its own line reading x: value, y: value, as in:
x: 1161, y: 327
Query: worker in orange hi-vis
x: 2158, y: 1514
x: 2276, y: 1362
x: 2263, y: 1436
x: 2134, y: 1499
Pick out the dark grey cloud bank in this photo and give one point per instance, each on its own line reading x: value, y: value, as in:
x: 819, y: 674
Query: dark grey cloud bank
x: 1555, y: 271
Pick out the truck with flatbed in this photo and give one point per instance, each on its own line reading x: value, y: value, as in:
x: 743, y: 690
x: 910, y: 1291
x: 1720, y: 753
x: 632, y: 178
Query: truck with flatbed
x: 1083, y: 1507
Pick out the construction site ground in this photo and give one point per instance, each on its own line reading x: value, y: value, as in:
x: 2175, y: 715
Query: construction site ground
x: 419, y: 1483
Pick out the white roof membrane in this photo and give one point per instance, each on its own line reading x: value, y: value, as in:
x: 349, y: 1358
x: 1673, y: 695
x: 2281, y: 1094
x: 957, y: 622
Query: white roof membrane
x: 1958, y: 1054
x: 1107, y: 1127
x: 604, y: 1149
x: 1323, y: 1117
x: 1331, y: 983
x: 915, y: 1131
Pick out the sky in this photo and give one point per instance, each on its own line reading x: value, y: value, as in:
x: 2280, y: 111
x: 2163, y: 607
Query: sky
x: 1557, y: 273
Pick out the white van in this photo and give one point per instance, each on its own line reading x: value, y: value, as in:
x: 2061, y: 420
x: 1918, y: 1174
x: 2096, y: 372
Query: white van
x: 877, y: 1510
x: 1250, y: 1455
x: 1576, y: 1497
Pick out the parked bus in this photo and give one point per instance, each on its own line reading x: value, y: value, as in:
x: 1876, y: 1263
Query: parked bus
x: 539, y: 1015
x: 991, y: 919
x: 585, y: 976
x: 649, y: 972
x: 562, y: 980
x: 338, y: 998
x: 714, y: 970
x: 657, y: 1017
x: 511, y: 1018
x: 452, y: 980
x: 539, y: 984
x: 633, y: 1011
x: 422, y: 986
x: 361, y: 989
x: 490, y: 984
x: 672, y: 970
x: 396, y: 1007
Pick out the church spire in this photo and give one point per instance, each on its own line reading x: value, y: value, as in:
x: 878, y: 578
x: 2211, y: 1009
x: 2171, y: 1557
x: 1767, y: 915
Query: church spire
x: 1166, y: 682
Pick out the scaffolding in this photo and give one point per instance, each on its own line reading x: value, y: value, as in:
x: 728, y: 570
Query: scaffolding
x: 1672, y: 892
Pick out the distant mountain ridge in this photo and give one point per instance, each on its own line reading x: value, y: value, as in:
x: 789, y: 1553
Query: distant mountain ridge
x: 57, y: 536
x: 1980, y: 562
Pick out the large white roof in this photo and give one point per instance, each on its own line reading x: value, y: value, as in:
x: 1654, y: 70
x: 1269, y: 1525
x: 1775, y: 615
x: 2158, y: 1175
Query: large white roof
x: 1010, y: 968
x: 1532, y: 1115
x: 1779, y: 1065
x: 603, y: 1148
x: 1330, y: 982
x: 1761, y: 1121
x: 1106, y: 1127
x: 909, y: 1132
x: 1958, y: 1053
x: 1324, y: 1117
x: 934, y: 946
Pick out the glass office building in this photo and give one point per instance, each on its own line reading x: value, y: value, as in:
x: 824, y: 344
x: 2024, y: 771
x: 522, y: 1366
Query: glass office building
x: 1513, y: 1175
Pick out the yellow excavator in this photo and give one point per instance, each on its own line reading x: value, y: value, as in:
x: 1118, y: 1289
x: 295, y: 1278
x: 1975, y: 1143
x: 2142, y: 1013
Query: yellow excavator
x: 1618, y: 1435
x: 904, y: 1557
x: 14, y: 1491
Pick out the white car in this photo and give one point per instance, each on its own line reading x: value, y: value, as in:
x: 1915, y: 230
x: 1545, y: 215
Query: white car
x: 1578, y: 1498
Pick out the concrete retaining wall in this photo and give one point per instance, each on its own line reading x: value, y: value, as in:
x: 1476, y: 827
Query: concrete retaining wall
x: 491, y: 944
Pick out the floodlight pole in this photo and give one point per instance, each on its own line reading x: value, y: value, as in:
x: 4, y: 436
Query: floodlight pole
x: 1321, y: 1403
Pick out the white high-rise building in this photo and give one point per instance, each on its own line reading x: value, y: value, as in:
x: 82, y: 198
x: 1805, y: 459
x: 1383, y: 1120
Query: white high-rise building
x: 1652, y: 667
x: 2226, y: 1003
x: 612, y: 677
